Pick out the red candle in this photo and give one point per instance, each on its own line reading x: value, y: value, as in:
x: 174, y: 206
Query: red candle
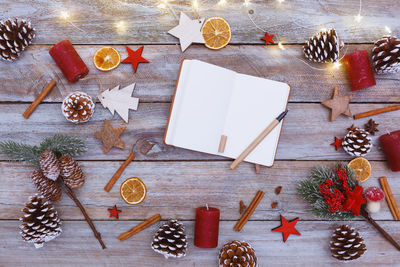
x: 359, y: 70
x: 391, y: 146
x: 69, y: 61
x: 206, y: 227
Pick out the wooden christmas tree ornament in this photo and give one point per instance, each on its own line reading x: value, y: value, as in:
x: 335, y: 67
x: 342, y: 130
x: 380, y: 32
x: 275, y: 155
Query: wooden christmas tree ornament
x: 338, y: 104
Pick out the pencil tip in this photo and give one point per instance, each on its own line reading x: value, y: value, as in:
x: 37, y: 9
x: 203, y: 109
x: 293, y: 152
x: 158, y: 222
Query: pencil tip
x: 282, y: 115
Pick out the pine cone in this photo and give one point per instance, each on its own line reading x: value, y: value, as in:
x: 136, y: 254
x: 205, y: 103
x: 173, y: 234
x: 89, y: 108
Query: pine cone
x: 386, y: 55
x: 323, y: 47
x: 237, y: 254
x: 15, y: 36
x: 48, y: 188
x: 357, y: 142
x: 170, y: 240
x: 40, y: 222
x: 49, y: 165
x: 346, y: 244
x: 71, y: 172
x: 78, y: 107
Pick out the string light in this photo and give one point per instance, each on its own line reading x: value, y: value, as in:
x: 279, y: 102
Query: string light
x: 358, y: 18
x: 64, y: 15
x: 281, y: 1
x: 388, y: 30
x: 280, y: 45
x: 120, y: 26
x: 163, y: 4
x: 336, y: 65
x: 222, y: 2
x: 195, y: 5
x: 246, y: 2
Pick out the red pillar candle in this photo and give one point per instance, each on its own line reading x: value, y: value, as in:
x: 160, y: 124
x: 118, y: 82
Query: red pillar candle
x: 69, y: 61
x: 359, y: 70
x: 206, y: 227
x: 391, y: 146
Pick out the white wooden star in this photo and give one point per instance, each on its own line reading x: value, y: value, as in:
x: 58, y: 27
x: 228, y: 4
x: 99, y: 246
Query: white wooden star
x: 188, y: 31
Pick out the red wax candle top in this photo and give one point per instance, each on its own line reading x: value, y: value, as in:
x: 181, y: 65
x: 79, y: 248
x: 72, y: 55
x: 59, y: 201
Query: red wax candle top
x: 206, y: 227
x: 359, y: 70
x: 391, y: 146
x: 69, y: 61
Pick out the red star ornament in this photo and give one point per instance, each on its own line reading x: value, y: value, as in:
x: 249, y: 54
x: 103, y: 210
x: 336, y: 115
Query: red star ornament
x: 268, y: 38
x: 135, y: 57
x: 337, y: 143
x: 287, y: 228
x: 355, y: 200
x: 114, y: 212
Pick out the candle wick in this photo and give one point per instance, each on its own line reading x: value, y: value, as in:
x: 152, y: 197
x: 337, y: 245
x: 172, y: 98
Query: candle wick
x: 207, y: 206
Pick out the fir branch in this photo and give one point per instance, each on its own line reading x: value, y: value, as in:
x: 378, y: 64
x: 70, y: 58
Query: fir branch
x: 20, y: 152
x: 64, y: 145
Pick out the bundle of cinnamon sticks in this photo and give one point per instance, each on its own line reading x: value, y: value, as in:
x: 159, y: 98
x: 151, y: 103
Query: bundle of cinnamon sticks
x: 389, y: 198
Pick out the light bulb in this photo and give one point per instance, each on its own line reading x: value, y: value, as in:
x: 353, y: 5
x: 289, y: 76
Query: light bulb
x: 280, y: 45
x: 222, y: 2
x: 64, y: 15
x: 358, y: 18
x: 388, y: 29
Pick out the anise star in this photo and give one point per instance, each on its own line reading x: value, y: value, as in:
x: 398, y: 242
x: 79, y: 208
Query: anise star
x: 135, y: 57
x: 371, y: 126
x: 268, y: 38
x: 287, y: 228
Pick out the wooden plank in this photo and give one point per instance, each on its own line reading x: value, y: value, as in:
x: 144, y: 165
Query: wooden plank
x: 294, y: 21
x: 77, y: 247
x: 306, y: 134
x: 175, y: 189
x: 25, y: 78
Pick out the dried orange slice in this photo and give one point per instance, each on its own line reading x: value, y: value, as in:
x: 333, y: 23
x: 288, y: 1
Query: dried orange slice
x: 133, y: 191
x: 216, y: 33
x: 106, y: 59
x: 361, y: 167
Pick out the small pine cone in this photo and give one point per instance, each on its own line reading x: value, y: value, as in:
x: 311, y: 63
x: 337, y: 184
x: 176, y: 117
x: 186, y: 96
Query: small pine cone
x: 15, y: 36
x: 78, y: 107
x: 357, y: 142
x: 49, y: 165
x: 346, y: 244
x: 40, y: 222
x: 386, y: 55
x: 170, y: 240
x: 237, y: 254
x: 323, y: 47
x: 71, y: 172
x: 48, y: 188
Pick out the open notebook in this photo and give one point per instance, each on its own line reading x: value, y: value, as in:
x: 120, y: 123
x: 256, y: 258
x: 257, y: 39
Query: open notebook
x: 212, y: 101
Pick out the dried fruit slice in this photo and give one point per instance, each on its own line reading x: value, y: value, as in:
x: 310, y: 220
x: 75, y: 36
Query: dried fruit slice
x: 361, y: 167
x: 216, y: 33
x: 106, y: 59
x: 133, y: 191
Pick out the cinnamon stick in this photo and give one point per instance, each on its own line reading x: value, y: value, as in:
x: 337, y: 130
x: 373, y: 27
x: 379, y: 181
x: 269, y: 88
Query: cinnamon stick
x: 72, y: 195
x: 249, y: 211
x: 140, y: 227
x: 376, y: 111
x: 389, y: 198
x: 38, y: 99
x: 118, y: 173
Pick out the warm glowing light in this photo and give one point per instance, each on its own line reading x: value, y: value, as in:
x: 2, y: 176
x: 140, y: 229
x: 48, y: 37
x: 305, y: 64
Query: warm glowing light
x: 64, y: 15
x: 281, y: 1
x: 280, y: 45
x: 358, y: 18
x: 222, y: 2
x: 162, y: 6
x: 246, y: 2
x: 120, y: 26
x: 195, y: 4
x: 388, y: 30
x: 336, y: 65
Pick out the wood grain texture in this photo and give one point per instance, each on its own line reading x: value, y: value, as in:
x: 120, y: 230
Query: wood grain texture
x: 155, y: 81
x: 294, y: 21
x: 75, y: 246
x: 175, y: 189
x: 145, y: 130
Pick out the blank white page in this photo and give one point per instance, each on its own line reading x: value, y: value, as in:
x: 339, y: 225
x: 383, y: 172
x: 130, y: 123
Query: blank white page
x: 255, y: 102
x: 200, y: 106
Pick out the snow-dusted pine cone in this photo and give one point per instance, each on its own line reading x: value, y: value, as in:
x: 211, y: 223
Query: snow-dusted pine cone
x: 40, y: 222
x: 323, y: 47
x: 15, y: 36
x: 386, y: 55
x: 357, y: 142
x: 170, y: 240
x: 71, y: 172
x: 48, y: 188
x: 347, y: 244
x: 49, y: 165
x: 237, y: 254
x: 78, y: 107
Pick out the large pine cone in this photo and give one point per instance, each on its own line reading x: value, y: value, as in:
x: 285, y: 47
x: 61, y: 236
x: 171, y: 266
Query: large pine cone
x: 49, y: 165
x: 78, y: 107
x: 386, y: 55
x: 71, y: 172
x: 357, y: 142
x: 323, y: 47
x: 237, y: 254
x: 170, y: 240
x: 15, y: 36
x: 40, y: 222
x: 48, y: 188
x: 346, y: 244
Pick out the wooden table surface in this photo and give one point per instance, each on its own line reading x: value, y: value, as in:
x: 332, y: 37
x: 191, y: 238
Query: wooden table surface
x: 178, y: 180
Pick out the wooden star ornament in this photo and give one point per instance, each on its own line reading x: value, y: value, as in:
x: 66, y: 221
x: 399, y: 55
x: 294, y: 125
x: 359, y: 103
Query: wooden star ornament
x: 135, y: 57
x: 338, y: 104
x: 268, y: 38
x: 110, y: 137
x: 114, y: 212
x: 287, y: 228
